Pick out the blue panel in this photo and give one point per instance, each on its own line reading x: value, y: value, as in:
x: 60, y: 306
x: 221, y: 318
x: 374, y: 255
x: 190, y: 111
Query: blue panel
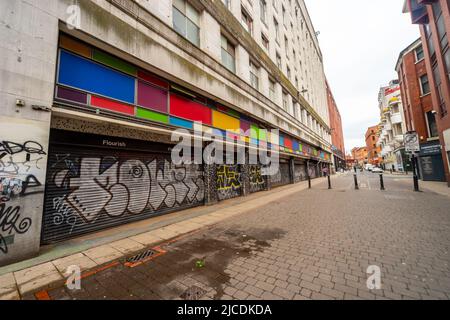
x: 89, y: 76
x: 218, y: 132
x: 296, y: 146
x: 282, y: 141
x: 181, y: 123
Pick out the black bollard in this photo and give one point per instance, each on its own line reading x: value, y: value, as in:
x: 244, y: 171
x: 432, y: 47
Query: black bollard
x: 309, y: 181
x: 356, y: 182
x: 382, y: 182
x: 329, y: 182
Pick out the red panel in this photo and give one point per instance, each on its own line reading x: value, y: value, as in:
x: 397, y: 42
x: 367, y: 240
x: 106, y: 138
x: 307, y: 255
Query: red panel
x: 152, y: 79
x: 112, y: 105
x: 288, y: 143
x: 188, y: 109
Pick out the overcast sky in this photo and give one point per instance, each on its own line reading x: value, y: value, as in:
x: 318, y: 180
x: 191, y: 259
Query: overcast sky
x: 360, y: 41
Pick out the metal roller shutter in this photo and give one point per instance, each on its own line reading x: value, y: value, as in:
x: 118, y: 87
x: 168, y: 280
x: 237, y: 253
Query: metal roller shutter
x: 300, y: 172
x: 283, y: 176
x: 257, y: 181
x: 229, y: 183
x: 89, y: 189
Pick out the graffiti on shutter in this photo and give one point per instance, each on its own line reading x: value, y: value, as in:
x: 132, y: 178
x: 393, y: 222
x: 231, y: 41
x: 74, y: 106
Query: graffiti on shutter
x: 283, y: 176
x: 300, y: 172
x: 257, y: 181
x: 87, y: 192
x: 228, y: 182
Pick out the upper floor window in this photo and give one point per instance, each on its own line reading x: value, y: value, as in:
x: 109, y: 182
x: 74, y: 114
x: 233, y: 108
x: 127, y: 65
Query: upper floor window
x: 288, y: 72
x: 247, y: 21
x: 278, y: 61
x: 419, y: 53
x: 283, y: 10
x: 285, y: 101
x: 432, y: 125
x: 227, y: 3
x: 254, y: 79
x: 286, y: 46
x: 272, y: 92
x: 277, y: 30
x: 424, y: 85
x: 186, y: 21
x: 263, y: 10
x: 265, y: 41
x: 228, y: 54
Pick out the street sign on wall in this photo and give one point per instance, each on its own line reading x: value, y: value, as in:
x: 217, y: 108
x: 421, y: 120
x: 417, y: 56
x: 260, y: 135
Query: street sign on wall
x: 411, y: 140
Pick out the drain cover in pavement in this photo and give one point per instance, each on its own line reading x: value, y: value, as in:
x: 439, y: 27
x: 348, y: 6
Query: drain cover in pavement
x: 143, y: 257
x: 193, y: 293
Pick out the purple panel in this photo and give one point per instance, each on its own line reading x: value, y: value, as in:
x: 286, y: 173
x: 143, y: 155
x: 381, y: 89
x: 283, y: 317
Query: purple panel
x: 152, y: 98
x: 245, y: 125
x: 72, y: 95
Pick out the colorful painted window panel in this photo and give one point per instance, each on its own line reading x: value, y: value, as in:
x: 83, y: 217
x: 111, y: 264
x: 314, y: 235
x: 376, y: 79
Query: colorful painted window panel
x: 181, y: 123
x: 71, y: 95
x: 296, y: 146
x: 112, y: 105
x: 151, y: 115
x: 75, y: 46
x: 190, y: 110
x: 281, y: 141
x: 152, y: 98
x: 226, y: 122
x: 288, y: 143
x: 262, y: 134
x: 86, y: 75
x: 254, y: 131
x: 114, y: 62
x: 152, y: 79
x: 245, y: 127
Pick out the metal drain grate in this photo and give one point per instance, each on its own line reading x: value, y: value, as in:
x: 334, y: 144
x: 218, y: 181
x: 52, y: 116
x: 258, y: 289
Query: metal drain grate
x: 142, y: 256
x: 193, y: 293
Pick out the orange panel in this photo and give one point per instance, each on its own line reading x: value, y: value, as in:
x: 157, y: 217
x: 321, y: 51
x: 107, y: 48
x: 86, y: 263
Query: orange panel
x: 75, y: 46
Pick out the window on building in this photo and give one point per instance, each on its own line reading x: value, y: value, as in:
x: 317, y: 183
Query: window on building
x: 438, y: 82
x: 286, y: 46
x: 265, y: 42
x: 288, y: 72
x: 186, y: 21
x: 247, y: 21
x: 272, y: 92
x: 432, y: 125
x: 440, y: 25
x: 424, y: 85
x: 419, y: 53
x: 228, y: 54
x: 254, y: 75
x: 447, y: 62
x: 296, y: 82
x: 227, y: 3
x: 283, y: 11
x: 278, y: 61
x: 277, y: 30
x: 285, y: 101
x: 263, y: 10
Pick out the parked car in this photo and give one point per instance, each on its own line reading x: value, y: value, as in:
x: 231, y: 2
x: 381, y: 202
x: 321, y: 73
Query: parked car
x: 377, y: 170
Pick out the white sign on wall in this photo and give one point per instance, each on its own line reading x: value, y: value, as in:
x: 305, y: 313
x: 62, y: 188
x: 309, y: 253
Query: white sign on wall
x: 411, y: 140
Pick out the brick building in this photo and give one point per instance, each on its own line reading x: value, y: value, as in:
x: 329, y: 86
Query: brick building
x: 418, y: 110
x: 433, y: 17
x: 360, y: 155
x: 373, y: 149
x: 337, y: 135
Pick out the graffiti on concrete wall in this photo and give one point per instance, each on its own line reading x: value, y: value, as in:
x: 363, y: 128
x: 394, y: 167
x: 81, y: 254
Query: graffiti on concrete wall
x: 228, y: 182
x: 283, y: 176
x: 257, y: 181
x: 19, y: 165
x: 90, y: 190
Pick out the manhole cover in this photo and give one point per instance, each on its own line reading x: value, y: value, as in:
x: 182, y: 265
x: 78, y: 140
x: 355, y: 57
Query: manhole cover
x: 143, y: 257
x: 193, y: 293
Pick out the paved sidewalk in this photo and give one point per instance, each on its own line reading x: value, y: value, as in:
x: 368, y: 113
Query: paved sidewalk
x: 16, y: 284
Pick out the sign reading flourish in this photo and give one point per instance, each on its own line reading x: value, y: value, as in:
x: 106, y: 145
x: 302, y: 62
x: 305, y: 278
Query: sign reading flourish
x: 411, y: 140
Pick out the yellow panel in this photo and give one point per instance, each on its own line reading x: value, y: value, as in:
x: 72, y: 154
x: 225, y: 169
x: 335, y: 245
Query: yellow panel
x: 74, y: 46
x: 225, y: 122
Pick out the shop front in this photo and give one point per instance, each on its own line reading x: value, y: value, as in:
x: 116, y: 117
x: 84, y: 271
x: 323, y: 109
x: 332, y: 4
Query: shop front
x: 431, y: 165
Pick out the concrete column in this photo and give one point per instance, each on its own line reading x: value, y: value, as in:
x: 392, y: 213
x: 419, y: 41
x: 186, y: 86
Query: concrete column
x: 210, y: 176
x: 292, y: 169
x: 245, y: 176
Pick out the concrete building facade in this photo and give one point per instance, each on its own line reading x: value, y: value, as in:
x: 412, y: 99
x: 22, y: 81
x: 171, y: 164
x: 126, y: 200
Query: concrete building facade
x: 360, y: 156
x: 433, y: 18
x: 337, y: 134
x: 419, y: 113
x: 91, y: 92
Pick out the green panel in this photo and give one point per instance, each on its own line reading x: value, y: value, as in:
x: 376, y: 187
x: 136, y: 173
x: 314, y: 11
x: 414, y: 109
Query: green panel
x: 255, y: 131
x: 151, y: 115
x: 114, y: 62
x: 300, y: 146
x: 263, y: 135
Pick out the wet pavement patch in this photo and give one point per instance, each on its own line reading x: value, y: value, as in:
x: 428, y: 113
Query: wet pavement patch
x: 193, y: 293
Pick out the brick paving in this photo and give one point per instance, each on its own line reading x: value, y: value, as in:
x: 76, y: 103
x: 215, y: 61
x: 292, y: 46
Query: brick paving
x: 316, y: 244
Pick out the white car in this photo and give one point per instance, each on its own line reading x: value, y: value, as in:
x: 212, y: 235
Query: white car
x: 377, y: 170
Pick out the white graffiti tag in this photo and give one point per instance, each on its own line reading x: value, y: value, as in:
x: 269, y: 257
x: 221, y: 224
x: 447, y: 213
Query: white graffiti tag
x: 129, y: 187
